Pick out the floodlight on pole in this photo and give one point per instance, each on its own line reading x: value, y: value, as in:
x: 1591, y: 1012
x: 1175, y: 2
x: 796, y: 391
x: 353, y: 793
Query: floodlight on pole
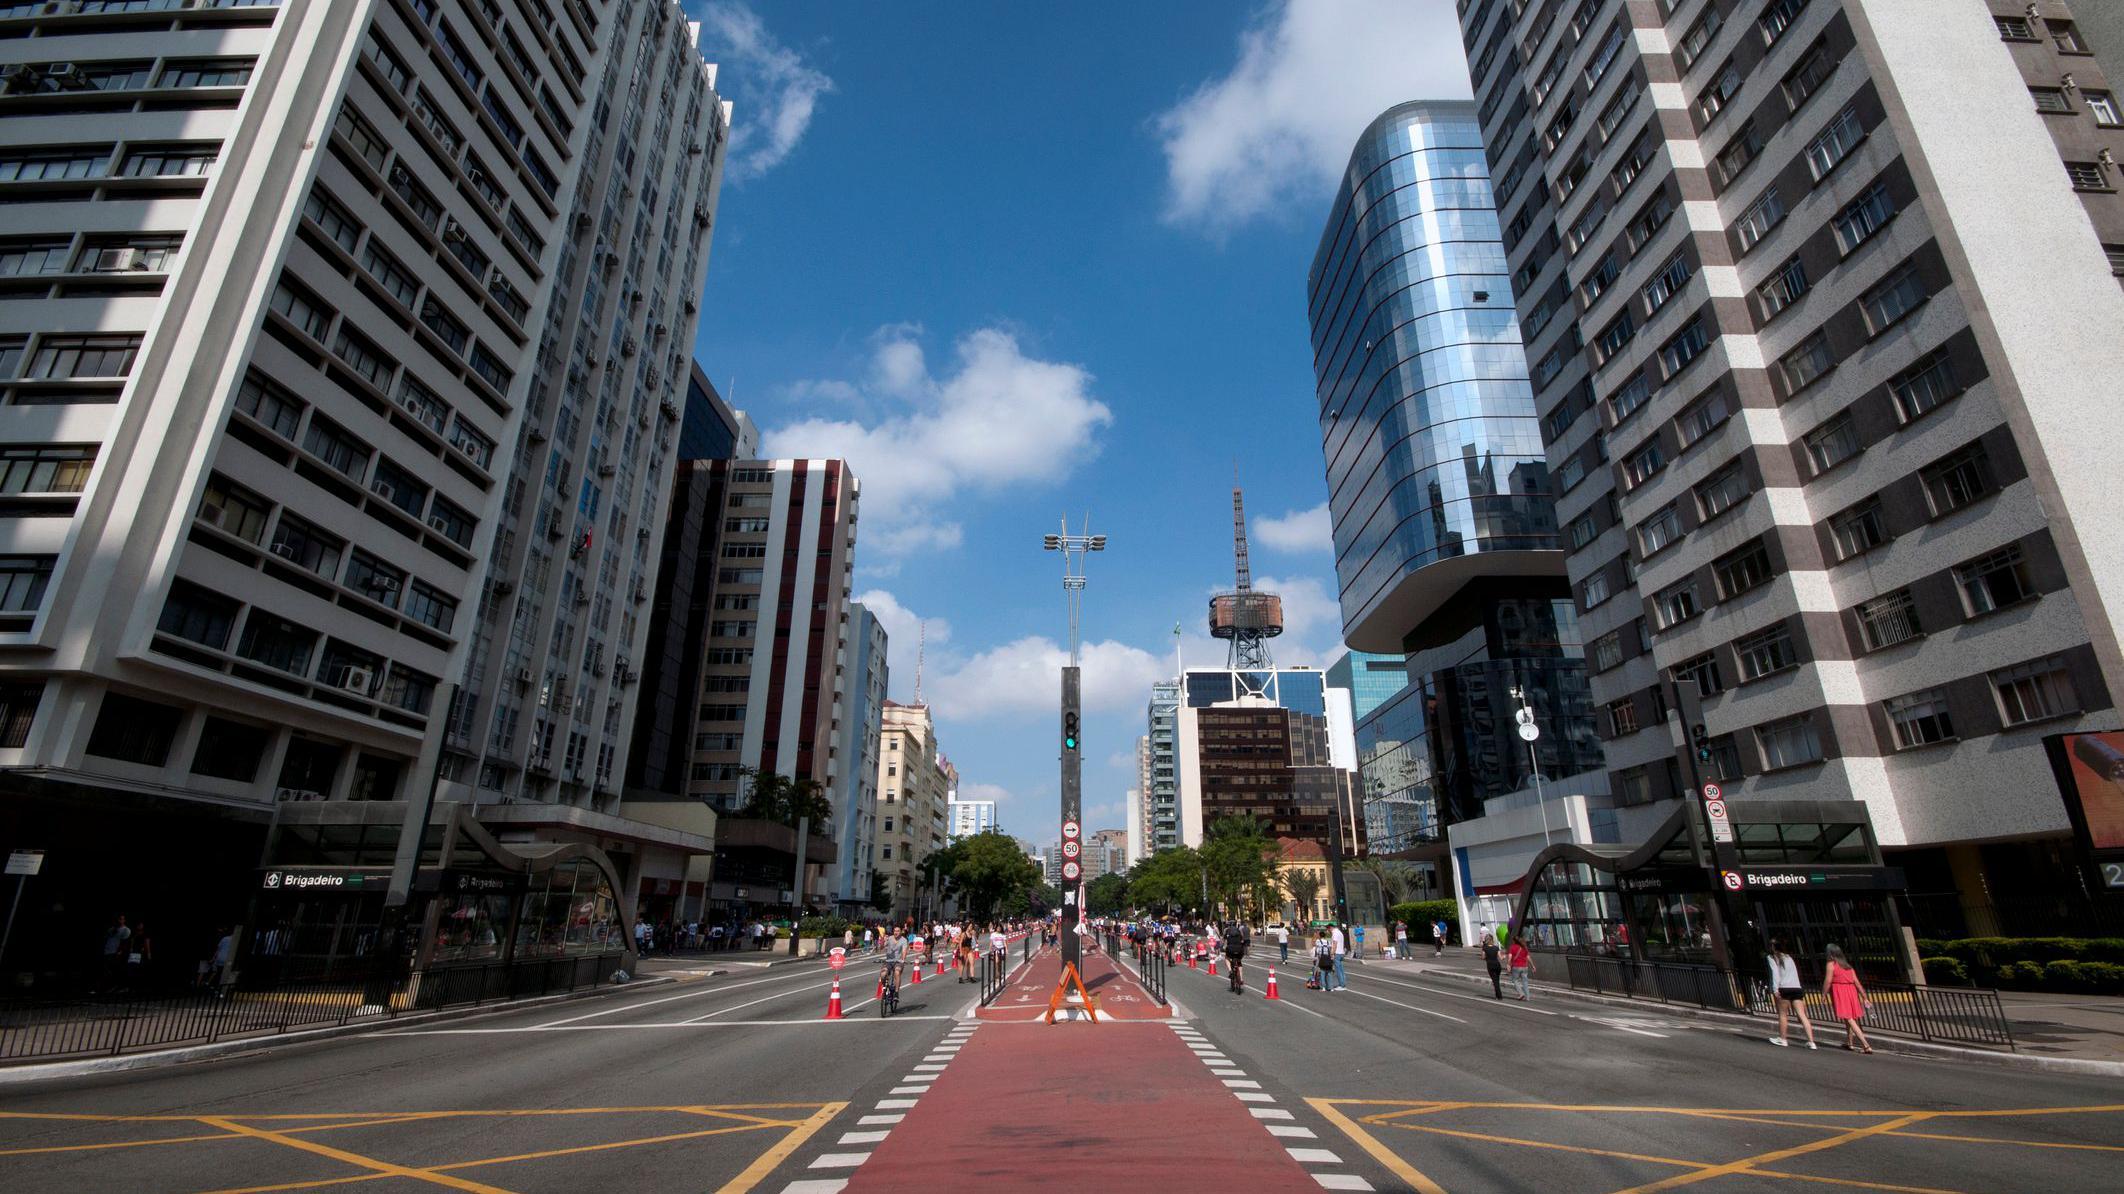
x: 1073, y: 548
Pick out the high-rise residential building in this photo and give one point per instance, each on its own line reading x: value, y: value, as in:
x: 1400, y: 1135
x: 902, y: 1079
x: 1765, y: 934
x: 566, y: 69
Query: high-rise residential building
x: 1444, y: 528
x: 1138, y: 804
x: 863, y: 717
x: 1813, y: 294
x: 914, y: 786
x: 1249, y: 758
x: 1159, y: 768
x: 339, y: 346
x: 709, y: 427
x: 756, y: 625
x: 969, y: 817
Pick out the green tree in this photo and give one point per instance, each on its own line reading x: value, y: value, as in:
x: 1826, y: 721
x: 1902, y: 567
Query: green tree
x: 1168, y: 880
x: 880, y: 892
x: 1239, y: 859
x: 1397, y: 880
x: 771, y: 796
x: 1304, y: 887
x: 1106, y: 894
x: 990, y: 873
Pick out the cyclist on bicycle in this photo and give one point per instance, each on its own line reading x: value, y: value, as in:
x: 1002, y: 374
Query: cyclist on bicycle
x: 1234, y: 945
x: 889, y: 967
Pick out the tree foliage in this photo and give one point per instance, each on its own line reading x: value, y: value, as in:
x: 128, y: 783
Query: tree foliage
x: 771, y: 796
x: 990, y: 873
x: 1304, y: 886
x: 1106, y: 895
x: 1170, y: 880
x: 1240, y: 860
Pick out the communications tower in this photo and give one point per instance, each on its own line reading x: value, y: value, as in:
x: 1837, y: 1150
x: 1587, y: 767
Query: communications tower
x: 1243, y: 617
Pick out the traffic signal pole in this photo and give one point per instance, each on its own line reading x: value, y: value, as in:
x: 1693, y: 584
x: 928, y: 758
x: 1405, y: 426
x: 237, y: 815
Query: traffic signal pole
x: 1072, y: 817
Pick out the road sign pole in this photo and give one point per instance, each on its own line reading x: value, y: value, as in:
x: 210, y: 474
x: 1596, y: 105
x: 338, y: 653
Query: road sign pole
x: 1072, y: 811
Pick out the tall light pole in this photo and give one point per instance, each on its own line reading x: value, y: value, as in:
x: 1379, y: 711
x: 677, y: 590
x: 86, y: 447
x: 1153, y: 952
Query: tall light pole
x: 1073, y: 549
x: 1529, y: 732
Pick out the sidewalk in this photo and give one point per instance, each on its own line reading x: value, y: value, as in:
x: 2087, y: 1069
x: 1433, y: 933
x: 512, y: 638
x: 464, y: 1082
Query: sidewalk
x: 2087, y: 1027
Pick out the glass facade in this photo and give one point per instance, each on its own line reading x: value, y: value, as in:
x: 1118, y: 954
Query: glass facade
x: 1372, y: 680
x: 1298, y: 691
x: 1164, y: 794
x: 1426, y: 412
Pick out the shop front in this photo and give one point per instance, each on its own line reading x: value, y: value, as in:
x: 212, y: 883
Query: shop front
x: 1808, y: 873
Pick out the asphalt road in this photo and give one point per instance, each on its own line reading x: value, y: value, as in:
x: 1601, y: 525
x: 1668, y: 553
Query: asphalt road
x: 733, y: 1084
x: 1426, y: 1082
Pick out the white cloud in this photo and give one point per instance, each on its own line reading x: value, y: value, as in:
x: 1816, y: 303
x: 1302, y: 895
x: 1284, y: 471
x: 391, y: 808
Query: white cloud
x: 1024, y: 677
x: 781, y: 88
x: 997, y: 418
x: 976, y: 790
x: 1311, y: 74
x: 905, y: 633
x: 1299, y: 530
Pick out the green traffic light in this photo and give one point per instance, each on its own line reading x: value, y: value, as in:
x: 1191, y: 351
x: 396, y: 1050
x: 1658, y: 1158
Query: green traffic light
x: 1069, y: 743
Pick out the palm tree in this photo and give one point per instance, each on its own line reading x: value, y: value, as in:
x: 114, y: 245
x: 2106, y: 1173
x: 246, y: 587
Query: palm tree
x: 1304, y: 887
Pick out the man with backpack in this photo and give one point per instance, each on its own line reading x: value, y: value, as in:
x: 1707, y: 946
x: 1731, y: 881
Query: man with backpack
x: 1235, y: 952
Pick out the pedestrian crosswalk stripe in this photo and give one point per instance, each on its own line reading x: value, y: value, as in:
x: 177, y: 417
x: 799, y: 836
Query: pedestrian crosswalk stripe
x: 1270, y: 1113
x: 1341, y: 1181
x: 840, y: 1160
x: 863, y: 1137
x: 1293, y: 1131
x: 1314, y: 1156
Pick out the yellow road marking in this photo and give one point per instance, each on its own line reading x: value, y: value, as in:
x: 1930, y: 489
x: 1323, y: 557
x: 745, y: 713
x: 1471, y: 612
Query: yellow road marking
x: 591, y: 1148
x: 768, y: 1161
x: 1380, y: 1152
x: 350, y: 1158
x: 78, y: 1148
x: 1748, y: 1164
x: 1944, y: 1136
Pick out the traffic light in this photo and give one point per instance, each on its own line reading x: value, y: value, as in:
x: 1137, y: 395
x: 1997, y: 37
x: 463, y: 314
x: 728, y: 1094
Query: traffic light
x: 1700, y: 741
x: 1069, y: 731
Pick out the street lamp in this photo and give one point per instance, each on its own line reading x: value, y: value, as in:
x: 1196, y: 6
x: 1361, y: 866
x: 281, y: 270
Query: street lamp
x: 1529, y: 732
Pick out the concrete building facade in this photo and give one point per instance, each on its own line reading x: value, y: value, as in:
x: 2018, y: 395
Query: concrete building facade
x: 914, y: 786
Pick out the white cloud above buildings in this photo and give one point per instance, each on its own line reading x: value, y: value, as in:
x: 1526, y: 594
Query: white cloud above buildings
x: 1311, y: 74
x: 778, y: 89
x: 1299, y: 530
x: 994, y: 418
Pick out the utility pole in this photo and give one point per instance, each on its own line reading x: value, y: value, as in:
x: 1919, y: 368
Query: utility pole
x: 1073, y: 549
x: 1530, y: 732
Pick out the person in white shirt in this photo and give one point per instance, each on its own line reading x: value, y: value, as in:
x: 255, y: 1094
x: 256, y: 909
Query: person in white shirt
x: 1787, y: 993
x: 1283, y: 945
x: 1342, y: 946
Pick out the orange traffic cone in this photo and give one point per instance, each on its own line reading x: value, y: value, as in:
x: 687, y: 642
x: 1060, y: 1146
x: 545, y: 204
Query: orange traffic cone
x: 833, y: 1002
x: 917, y: 979
x: 1271, y: 992
x: 1191, y: 961
x: 940, y: 968
x: 1213, y: 965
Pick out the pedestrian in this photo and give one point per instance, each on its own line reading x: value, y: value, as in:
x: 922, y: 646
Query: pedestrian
x: 848, y: 940
x: 1342, y: 946
x: 867, y: 937
x: 1521, y: 961
x: 117, y: 942
x: 1283, y: 944
x: 1438, y: 937
x: 1847, y: 999
x: 1357, y: 946
x: 139, y: 957
x: 1787, y: 993
x: 1324, y: 962
x: 1401, y: 940
x: 1493, y: 962
x: 223, y: 974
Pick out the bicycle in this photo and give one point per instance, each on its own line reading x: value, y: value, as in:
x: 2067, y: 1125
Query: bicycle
x: 889, y: 980
x: 1238, y: 984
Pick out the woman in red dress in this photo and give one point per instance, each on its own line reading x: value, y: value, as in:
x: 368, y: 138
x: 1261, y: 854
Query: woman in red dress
x: 1847, y: 998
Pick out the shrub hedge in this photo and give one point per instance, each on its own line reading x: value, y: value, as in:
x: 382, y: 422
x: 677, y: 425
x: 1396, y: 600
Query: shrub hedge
x: 1420, y: 913
x: 2083, y: 965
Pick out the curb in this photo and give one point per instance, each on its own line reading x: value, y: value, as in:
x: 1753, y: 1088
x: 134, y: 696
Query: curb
x: 2037, y: 1062
x: 158, y: 1058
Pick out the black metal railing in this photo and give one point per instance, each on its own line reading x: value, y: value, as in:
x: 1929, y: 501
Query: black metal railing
x: 1151, y: 968
x: 1956, y: 1015
x: 995, y: 967
x: 113, y: 1023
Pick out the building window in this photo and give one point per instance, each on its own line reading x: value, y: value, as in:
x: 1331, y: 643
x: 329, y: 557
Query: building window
x: 1595, y: 590
x: 396, y: 280
x: 1756, y: 222
x: 1888, y: 619
x: 1789, y: 742
x: 302, y: 309
x: 1994, y: 581
x: 1678, y: 604
x: 1618, y: 333
x: 331, y: 219
x: 46, y: 468
x: 1863, y: 217
x: 2087, y: 176
x: 1832, y: 443
x: 1805, y: 364
x: 35, y: 256
x: 1724, y: 763
x: 1703, y: 416
x: 1627, y: 400
x: 1778, y: 16
x: 398, y: 487
x: 2115, y: 254
x: 407, y: 689
x: 1645, y: 463
x: 1605, y: 652
x: 230, y: 750
x: 1835, y: 143
x: 2050, y: 99
x: 133, y: 731
x: 73, y: 358
x: 472, y: 443
x: 374, y: 579
x: 18, y: 711
x: 174, y: 161
x: 1660, y: 530
x: 22, y: 582
x: 1744, y: 147
x: 1721, y: 491
x: 2065, y: 36
x: 53, y: 165
x: 2103, y: 107
x: 1688, y: 344
x: 1692, y: 44
x: 365, y: 359
x: 195, y: 614
x: 2014, y: 28
x: 1622, y: 718
x: 234, y: 509
x: 1858, y: 530
x: 269, y: 404
x: 342, y: 452
x: 452, y: 522
x: 1813, y: 70
x: 1670, y: 279
x: 1957, y: 480
x: 1923, y: 386
x: 1702, y: 670
x: 206, y: 73
x: 1721, y: 88
x: 2035, y: 690
x: 1783, y: 289
x: 1742, y: 570
x: 1765, y: 652
x: 430, y: 607
x: 1900, y: 293
x: 303, y: 545
x: 1919, y: 718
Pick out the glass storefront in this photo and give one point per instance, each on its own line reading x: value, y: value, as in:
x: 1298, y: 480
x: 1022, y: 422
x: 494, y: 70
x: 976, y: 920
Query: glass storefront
x: 568, y: 910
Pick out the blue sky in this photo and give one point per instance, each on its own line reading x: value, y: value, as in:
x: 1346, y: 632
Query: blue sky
x: 1017, y: 260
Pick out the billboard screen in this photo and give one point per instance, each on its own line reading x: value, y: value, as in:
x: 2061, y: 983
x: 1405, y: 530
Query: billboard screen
x: 2097, y: 767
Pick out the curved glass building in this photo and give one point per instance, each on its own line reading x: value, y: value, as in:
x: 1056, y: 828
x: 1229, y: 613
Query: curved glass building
x: 1446, y: 545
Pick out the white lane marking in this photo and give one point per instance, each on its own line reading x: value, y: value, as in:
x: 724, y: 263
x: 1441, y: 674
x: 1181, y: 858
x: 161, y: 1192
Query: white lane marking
x: 895, y: 1104
x: 1270, y: 1113
x: 840, y: 1160
x: 1293, y: 1131
x: 930, y: 1066
x: 1229, y: 1073
x: 882, y: 1119
x: 1341, y: 1181
x: 1507, y: 1004
x: 1412, y: 1007
x: 1313, y: 1156
x: 863, y: 1137
x: 1254, y: 1096
x: 1620, y: 1026
x: 702, y: 1019
x: 1242, y: 1084
x: 908, y: 1090
x: 817, y: 1186
x: 693, y: 994
x: 412, y: 1032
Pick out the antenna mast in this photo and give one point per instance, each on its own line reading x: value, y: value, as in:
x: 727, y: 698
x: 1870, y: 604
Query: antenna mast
x: 1244, y: 570
x: 921, y: 655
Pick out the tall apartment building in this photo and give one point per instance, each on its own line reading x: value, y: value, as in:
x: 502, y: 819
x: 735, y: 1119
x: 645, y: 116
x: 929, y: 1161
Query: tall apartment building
x: 296, y: 303
x: 913, y: 789
x: 709, y: 427
x: 1814, y: 296
x: 862, y: 718
x: 969, y: 817
x: 1159, y: 767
